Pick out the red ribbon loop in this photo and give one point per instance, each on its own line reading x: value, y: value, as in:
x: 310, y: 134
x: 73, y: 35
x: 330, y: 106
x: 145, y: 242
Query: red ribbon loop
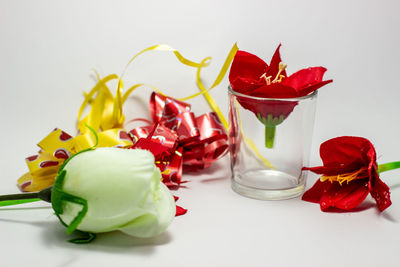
x: 177, y: 138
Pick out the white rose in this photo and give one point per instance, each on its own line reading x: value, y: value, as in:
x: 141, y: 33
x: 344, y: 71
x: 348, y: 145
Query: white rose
x: 123, y: 191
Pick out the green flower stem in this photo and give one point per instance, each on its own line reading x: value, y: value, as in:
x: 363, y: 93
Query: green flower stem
x: 270, y: 123
x: 4, y: 203
x: 19, y: 196
x: 388, y: 166
x: 15, y: 199
x: 269, y: 136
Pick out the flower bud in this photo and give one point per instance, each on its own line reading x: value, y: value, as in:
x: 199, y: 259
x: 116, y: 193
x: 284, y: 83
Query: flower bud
x: 123, y: 191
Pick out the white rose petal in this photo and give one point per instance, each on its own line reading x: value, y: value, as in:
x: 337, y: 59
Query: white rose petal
x: 123, y: 191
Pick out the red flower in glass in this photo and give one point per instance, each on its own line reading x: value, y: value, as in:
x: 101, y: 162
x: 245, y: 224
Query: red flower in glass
x: 349, y: 173
x: 250, y: 75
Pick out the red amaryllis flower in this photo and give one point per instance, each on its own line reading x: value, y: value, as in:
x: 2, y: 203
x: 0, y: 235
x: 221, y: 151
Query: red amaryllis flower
x: 250, y: 75
x: 349, y: 173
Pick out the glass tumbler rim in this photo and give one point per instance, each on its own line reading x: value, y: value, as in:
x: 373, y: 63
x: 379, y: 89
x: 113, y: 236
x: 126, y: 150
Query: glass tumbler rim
x: 311, y: 95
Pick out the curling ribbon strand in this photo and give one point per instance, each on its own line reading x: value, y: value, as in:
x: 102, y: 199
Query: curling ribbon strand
x: 161, y: 47
x: 216, y: 108
x: 164, y: 47
x: 217, y: 81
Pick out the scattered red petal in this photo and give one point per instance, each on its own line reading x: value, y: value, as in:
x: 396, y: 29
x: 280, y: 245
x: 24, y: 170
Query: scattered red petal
x: 180, y: 211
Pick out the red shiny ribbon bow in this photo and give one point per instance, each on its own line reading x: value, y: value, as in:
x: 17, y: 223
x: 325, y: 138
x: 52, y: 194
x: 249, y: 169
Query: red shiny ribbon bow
x: 178, y: 138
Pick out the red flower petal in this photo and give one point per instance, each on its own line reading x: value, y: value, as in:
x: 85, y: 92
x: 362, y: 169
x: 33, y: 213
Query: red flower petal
x: 275, y: 90
x: 246, y: 86
x: 276, y: 108
x: 273, y: 68
x: 312, y: 88
x: 180, y: 211
x: 346, y: 196
x: 305, y: 78
x: 247, y: 66
x: 324, y: 170
x: 346, y: 153
x: 380, y: 192
x: 315, y: 193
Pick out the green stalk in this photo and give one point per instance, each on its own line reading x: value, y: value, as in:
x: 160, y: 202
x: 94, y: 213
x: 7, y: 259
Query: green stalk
x: 15, y: 199
x: 388, y: 166
x: 4, y: 203
x: 269, y: 136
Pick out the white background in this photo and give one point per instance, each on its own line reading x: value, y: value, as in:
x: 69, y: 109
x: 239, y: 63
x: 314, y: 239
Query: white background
x: 47, y: 51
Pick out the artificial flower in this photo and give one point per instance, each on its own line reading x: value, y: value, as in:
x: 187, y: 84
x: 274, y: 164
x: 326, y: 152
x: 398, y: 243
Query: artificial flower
x: 251, y: 76
x: 349, y: 174
x: 107, y: 189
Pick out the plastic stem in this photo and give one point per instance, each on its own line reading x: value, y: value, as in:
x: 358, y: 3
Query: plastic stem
x: 19, y: 196
x: 4, y: 203
x: 15, y: 199
x: 269, y: 136
x: 388, y: 166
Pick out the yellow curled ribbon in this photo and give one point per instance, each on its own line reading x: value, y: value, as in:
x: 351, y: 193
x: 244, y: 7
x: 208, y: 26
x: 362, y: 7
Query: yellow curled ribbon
x: 105, y: 117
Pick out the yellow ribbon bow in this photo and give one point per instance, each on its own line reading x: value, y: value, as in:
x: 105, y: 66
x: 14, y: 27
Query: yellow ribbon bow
x: 105, y: 117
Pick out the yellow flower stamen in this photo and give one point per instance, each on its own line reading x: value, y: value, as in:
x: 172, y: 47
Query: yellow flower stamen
x: 345, y: 177
x: 166, y: 172
x: 267, y: 79
x: 279, y: 77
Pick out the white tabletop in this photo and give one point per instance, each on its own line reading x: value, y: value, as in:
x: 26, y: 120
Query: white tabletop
x: 47, y: 51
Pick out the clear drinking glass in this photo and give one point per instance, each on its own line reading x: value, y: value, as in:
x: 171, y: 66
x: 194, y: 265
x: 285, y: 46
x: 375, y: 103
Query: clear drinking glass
x: 269, y: 142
